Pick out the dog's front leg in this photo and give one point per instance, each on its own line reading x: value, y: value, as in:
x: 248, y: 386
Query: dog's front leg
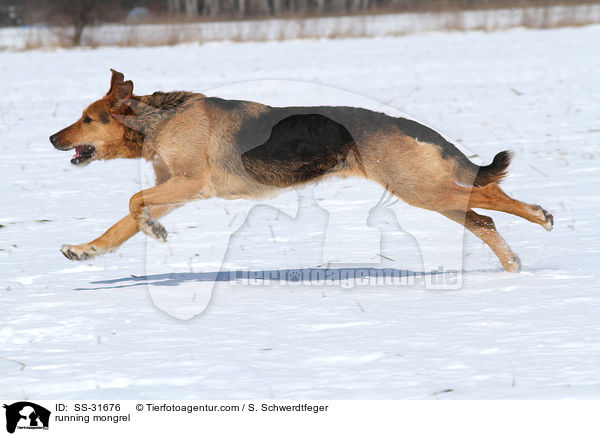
x: 111, y: 239
x: 121, y: 231
x: 176, y: 191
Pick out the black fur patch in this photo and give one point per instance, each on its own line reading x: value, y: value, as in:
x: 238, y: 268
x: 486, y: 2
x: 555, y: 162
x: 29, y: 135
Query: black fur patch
x: 226, y: 105
x: 105, y: 117
x: 300, y: 148
x: 423, y: 133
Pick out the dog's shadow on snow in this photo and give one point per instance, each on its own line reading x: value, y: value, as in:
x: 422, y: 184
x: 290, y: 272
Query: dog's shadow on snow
x: 305, y: 275
x: 380, y: 216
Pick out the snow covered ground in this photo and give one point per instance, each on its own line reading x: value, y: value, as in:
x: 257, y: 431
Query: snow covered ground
x: 97, y: 330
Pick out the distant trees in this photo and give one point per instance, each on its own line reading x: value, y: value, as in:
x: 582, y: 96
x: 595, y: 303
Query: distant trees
x: 262, y: 8
x: 276, y: 8
x: 189, y: 7
x: 72, y: 16
x: 79, y: 14
x: 10, y: 15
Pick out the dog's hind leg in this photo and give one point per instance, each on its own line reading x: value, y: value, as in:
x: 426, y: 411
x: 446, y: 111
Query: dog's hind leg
x: 456, y: 202
x: 492, y: 197
x: 450, y: 196
x: 483, y: 227
x: 175, y: 191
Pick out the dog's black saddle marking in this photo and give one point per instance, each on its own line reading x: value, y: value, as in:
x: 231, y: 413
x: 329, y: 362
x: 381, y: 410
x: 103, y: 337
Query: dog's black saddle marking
x: 300, y: 148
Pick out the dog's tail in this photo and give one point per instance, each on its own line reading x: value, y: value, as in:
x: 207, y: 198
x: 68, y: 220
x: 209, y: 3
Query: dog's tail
x: 495, y: 172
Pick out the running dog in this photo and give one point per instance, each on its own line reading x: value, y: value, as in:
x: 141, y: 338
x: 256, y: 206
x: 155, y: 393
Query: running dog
x: 203, y: 147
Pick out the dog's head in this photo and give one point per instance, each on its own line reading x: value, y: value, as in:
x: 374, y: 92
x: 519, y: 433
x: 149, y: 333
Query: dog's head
x: 98, y: 134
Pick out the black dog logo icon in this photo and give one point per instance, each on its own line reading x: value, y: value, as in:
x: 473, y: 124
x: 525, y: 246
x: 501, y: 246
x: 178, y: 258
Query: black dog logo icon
x: 26, y: 415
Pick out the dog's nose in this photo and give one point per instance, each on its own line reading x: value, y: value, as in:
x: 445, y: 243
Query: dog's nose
x: 54, y: 139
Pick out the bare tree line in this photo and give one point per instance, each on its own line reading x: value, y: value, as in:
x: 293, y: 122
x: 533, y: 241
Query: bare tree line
x: 276, y: 8
x: 77, y: 14
x: 262, y: 8
x: 102, y: 10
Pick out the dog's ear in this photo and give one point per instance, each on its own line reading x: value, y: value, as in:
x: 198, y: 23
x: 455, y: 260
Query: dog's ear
x: 115, y: 80
x: 123, y: 91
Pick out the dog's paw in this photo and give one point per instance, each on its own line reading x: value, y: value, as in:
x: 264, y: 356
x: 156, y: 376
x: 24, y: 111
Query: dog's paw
x: 79, y: 252
x: 154, y: 229
x: 546, y: 218
x: 513, y: 264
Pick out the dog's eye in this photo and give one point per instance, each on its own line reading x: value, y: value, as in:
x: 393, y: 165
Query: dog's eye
x: 87, y: 120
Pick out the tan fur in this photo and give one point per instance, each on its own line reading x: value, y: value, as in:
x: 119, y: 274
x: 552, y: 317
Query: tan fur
x: 193, y: 149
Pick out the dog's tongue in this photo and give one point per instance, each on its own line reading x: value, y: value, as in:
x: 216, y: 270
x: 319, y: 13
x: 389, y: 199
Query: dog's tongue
x: 77, y: 154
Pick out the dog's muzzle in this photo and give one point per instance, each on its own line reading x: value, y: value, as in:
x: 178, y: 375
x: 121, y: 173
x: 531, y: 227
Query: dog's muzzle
x: 83, y: 153
x: 54, y: 140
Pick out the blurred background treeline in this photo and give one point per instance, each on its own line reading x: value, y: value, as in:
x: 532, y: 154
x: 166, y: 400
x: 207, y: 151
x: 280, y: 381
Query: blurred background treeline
x: 78, y: 14
x: 18, y: 12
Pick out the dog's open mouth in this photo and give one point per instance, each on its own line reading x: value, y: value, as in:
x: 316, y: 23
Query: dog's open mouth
x: 83, y: 153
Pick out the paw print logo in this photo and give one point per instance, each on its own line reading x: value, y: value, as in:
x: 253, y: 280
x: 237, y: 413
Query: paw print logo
x: 294, y: 276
